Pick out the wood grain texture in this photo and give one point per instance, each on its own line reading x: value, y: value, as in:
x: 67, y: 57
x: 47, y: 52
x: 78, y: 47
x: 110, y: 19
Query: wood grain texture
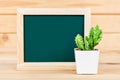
x: 7, y: 24
x: 105, y: 13
x: 110, y: 56
x: 98, y: 7
x: 105, y: 56
x: 110, y: 42
x: 110, y: 53
x: 8, y: 40
x: 108, y: 23
x: 8, y: 72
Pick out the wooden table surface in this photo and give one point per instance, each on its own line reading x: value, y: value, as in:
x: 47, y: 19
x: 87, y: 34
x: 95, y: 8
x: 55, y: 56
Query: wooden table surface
x: 8, y: 72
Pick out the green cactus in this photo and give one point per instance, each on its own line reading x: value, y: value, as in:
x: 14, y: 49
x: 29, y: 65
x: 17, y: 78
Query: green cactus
x: 90, y: 41
x: 79, y: 42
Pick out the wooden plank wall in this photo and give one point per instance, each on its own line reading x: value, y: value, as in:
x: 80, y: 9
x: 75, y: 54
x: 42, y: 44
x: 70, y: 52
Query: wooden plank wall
x: 105, y: 13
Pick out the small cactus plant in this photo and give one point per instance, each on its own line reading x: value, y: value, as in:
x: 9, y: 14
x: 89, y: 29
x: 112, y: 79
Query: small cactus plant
x: 90, y: 41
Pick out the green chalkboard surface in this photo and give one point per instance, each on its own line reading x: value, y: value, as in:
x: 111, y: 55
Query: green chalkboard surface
x: 50, y: 38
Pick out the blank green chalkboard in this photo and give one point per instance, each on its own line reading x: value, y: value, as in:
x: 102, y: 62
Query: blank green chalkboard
x: 50, y: 38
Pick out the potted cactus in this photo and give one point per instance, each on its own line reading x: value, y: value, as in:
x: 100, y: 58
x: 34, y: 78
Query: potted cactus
x: 86, y: 56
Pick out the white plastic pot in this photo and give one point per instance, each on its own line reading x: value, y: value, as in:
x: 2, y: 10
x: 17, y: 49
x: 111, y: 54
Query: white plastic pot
x: 86, y: 61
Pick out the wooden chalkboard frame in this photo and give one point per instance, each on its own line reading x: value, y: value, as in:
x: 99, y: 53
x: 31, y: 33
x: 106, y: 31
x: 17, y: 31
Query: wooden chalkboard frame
x: 21, y: 65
